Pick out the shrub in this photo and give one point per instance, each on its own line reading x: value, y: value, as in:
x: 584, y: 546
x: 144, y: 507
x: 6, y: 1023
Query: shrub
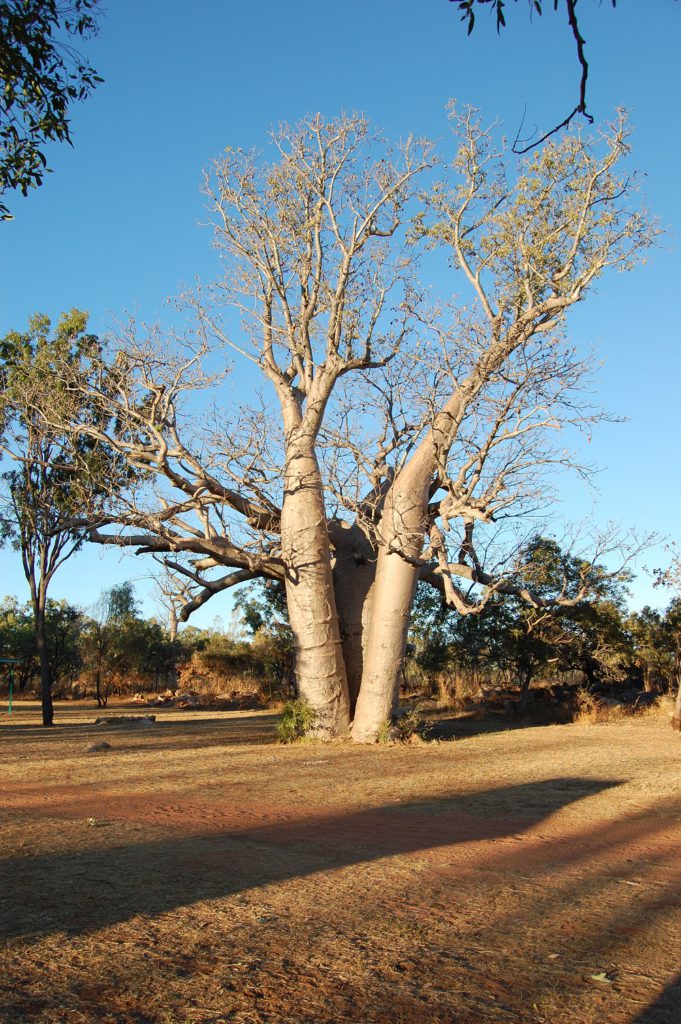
x: 405, y: 727
x: 297, y: 720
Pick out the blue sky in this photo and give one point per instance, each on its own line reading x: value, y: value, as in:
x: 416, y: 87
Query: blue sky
x: 115, y: 229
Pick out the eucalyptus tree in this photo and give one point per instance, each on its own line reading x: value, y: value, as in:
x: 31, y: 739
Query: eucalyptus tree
x: 117, y: 642
x: 670, y: 577
x: 42, y: 75
x: 49, y: 475
x: 672, y: 630
x: 587, y: 635
x: 468, y: 9
x: 399, y: 432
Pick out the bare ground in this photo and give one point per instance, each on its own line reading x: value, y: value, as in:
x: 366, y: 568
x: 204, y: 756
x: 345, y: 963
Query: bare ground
x: 196, y: 872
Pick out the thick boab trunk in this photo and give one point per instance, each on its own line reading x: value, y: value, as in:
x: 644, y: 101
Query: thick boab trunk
x: 354, y: 571
x: 397, y: 571
x: 386, y: 645
x: 320, y: 669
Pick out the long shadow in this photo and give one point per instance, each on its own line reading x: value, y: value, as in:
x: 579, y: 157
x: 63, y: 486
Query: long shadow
x: 666, y: 1008
x: 460, y: 727
x: 250, y: 728
x: 76, y: 892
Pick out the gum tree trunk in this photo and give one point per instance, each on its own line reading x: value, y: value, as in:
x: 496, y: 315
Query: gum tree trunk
x: 676, y: 719
x: 44, y: 658
x: 526, y: 676
x: 306, y: 550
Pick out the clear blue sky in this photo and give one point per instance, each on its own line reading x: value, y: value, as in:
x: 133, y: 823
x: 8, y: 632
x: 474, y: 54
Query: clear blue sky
x: 116, y: 227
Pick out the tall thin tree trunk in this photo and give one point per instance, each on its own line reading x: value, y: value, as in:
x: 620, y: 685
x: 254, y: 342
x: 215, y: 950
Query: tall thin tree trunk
x: 320, y: 669
x: 526, y: 674
x: 676, y: 718
x: 44, y: 657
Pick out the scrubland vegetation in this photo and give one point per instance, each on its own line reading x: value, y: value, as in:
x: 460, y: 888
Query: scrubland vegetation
x: 558, y: 664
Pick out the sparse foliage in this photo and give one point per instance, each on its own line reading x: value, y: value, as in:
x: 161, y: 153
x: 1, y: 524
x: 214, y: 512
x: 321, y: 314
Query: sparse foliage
x: 468, y: 10
x: 403, y: 434
x: 42, y: 76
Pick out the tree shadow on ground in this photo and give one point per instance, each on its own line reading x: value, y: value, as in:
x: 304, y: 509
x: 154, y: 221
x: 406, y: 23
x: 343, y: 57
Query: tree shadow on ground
x: 498, y: 969
x: 109, y: 885
x: 667, y: 1007
x: 465, y: 726
x: 224, y: 730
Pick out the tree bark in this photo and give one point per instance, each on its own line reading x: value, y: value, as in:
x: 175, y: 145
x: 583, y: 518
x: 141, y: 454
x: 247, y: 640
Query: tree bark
x: 676, y: 718
x: 44, y: 657
x: 401, y: 530
x: 306, y: 550
x: 354, y: 571
x: 526, y: 678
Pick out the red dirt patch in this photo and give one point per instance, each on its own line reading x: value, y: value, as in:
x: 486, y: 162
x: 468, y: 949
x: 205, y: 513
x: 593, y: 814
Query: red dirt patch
x: 200, y: 873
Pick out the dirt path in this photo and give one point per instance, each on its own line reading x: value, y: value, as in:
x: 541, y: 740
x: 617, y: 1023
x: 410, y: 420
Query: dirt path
x: 196, y: 872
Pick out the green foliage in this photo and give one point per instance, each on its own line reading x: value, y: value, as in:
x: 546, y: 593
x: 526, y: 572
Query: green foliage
x: 63, y: 629
x: 297, y: 720
x: 404, y: 727
x: 58, y: 476
x: 42, y: 75
x: 513, y: 634
x: 263, y: 607
x: 16, y: 629
x: 649, y: 654
x: 220, y: 664
x: 121, y: 604
x: 119, y: 647
x: 442, y: 640
x: 114, y: 650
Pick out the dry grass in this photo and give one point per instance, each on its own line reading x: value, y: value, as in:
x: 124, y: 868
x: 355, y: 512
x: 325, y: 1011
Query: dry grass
x: 593, y: 710
x: 197, y: 873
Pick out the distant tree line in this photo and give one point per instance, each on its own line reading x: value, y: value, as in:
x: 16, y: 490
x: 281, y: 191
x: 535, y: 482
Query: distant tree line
x: 112, y: 650
x: 595, y: 643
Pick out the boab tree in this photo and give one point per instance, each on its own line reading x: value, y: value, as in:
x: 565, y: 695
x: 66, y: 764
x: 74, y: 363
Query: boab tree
x: 395, y: 426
